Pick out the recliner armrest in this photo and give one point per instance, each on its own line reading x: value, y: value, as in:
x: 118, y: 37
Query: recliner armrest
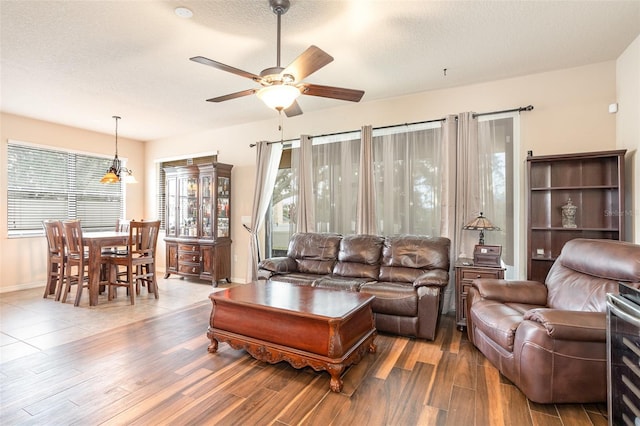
x: 434, y: 277
x: 516, y: 291
x: 279, y: 265
x: 571, y: 325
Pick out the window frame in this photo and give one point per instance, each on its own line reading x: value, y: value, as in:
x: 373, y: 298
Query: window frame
x: 78, y: 197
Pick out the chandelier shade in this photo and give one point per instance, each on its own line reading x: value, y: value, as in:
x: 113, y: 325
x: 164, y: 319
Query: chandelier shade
x: 117, y: 172
x: 278, y: 96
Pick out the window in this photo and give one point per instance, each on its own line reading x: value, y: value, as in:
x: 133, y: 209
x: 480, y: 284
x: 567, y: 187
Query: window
x: 407, y: 169
x: 54, y: 184
x: 498, y: 143
x: 408, y: 166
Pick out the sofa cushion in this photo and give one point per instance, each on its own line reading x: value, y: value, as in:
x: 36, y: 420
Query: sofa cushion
x: 394, y: 298
x: 359, y: 256
x: 405, y: 257
x: 314, y: 253
x: 340, y: 283
x: 296, y: 278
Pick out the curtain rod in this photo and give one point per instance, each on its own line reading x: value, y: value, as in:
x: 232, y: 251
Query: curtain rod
x: 519, y: 109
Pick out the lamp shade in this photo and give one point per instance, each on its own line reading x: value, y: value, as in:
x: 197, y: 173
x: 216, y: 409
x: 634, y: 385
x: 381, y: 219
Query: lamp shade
x: 278, y: 96
x: 481, y: 224
x: 110, y: 177
x: 129, y: 178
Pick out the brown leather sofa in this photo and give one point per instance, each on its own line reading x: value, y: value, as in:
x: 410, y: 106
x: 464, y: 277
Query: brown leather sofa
x: 550, y: 339
x: 405, y: 273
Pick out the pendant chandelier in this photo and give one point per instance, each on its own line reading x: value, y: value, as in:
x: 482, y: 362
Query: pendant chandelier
x: 116, y: 172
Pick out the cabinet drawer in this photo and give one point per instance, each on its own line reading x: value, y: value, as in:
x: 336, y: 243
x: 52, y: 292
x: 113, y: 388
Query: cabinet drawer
x: 193, y: 257
x: 470, y: 275
x: 189, y: 269
x: 465, y: 288
x: 188, y: 247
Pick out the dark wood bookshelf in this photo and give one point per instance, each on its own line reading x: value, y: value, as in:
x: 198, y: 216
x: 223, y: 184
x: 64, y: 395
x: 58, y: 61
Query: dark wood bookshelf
x: 594, y: 181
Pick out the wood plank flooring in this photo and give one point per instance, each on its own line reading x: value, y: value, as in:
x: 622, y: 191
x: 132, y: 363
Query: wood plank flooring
x: 156, y: 370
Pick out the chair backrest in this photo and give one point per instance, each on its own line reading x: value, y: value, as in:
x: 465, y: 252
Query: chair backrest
x: 588, y: 269
x: 55, y: 236
x: 143, y: 237
x: 122, y: 225
x: 73, y: 238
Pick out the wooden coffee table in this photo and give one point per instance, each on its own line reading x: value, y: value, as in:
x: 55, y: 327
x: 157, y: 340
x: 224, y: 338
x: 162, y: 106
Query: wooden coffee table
x: 305, y: 326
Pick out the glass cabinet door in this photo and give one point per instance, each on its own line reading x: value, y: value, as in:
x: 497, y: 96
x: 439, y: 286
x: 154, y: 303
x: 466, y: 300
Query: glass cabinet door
x: 188, y: 208
x: 223, y: 207
x: 206, y: 203
x: 171, y: 207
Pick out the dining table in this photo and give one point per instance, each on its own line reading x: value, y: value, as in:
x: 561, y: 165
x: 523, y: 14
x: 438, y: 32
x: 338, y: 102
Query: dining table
x: 96, y: 240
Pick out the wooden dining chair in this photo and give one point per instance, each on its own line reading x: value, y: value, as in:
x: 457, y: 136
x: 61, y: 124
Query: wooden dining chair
x: 77, y: 260
x: 56, y: 258
x: 139, y: 261
x: 122, y: 225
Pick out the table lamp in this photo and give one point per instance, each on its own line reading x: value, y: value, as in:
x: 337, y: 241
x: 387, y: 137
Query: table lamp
x: 482, y: 224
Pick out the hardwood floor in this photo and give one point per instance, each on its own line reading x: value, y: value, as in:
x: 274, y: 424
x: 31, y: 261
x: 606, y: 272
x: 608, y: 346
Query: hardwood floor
x: 148, y: 364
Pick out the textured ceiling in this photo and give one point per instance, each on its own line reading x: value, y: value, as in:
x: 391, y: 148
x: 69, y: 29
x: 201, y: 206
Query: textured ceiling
x: 80, y: 62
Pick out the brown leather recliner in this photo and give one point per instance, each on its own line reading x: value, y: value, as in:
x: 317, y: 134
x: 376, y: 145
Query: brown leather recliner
x: 550, y: 339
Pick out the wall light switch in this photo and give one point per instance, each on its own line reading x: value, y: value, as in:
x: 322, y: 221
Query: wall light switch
x: 613, y: 108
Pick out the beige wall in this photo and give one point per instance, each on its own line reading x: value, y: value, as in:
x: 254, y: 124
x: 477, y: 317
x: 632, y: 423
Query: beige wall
x: 570, y: 115
x: 628, y: 131
x: 23, y: 260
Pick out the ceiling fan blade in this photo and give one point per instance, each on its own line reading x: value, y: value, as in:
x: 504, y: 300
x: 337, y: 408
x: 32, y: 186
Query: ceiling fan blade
x: 223, y: 67
x: 293, y: 110
x: 309, y: 61
x: 233, y: 95
x: 331, y: 92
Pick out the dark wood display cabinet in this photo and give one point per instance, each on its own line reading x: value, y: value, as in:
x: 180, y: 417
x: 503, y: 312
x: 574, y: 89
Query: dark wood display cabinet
x: 198, y: 221
x: 572, y: 196
x: 466, y: 272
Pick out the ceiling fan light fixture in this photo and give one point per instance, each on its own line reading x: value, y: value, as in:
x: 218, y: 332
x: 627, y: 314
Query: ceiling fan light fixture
x: 278, y: 96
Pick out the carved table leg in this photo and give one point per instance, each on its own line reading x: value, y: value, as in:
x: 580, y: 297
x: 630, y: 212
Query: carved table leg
x: 213, y: 347
x: 336, y: 371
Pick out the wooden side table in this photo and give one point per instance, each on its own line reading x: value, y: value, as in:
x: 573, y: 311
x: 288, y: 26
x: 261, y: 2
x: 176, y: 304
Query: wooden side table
x: 466, y: 272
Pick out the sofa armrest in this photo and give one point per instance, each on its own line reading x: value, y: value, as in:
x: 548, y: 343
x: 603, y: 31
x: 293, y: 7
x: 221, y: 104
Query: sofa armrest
x: 515, y: 291
x: 571, y: 325
x: 434, y: 277
x: 279, y: 265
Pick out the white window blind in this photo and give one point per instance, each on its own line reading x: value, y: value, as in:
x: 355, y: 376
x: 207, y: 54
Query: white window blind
x: 54, y: 184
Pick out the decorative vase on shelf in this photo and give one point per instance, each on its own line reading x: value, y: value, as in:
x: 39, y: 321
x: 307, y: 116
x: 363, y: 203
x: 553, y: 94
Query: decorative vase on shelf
x: 569, y: 215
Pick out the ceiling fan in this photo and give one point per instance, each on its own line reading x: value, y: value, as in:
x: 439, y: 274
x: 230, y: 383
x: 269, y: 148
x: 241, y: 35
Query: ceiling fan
x: 282, y: 86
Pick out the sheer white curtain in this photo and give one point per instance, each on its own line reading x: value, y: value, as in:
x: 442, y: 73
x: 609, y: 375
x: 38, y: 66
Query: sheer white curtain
x: 267, y: 161
x: 335, y: 180
x: 366, y: 207
x: 407, y: 175
x: 498, y: 148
